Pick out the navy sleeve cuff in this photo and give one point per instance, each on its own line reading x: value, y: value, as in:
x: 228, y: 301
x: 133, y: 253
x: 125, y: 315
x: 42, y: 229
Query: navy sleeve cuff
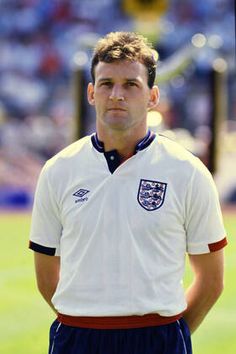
x: 50, y: 251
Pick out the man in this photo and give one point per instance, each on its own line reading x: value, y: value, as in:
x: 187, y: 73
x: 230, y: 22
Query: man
x: 114, y: 215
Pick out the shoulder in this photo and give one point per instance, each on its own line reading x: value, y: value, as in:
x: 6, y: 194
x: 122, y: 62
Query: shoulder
x: 65, y: 160
x: 174, y: 149
x: 179, y: 156
x: 70, y: 153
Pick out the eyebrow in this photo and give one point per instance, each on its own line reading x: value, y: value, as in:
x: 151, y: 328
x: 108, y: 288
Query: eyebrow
x: 105, y: 79
x: 132, y: 80
x: 110, y: 79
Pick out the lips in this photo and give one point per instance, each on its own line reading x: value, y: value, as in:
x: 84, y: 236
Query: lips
x: 116, y: 109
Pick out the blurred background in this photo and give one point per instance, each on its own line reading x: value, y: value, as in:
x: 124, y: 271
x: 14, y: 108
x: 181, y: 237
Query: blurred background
x: 45, y: 50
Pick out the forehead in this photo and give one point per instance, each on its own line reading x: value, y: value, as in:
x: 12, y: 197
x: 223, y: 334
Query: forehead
x: 122, y: 69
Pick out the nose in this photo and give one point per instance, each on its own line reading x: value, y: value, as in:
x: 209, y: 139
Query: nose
x: 116, y: 94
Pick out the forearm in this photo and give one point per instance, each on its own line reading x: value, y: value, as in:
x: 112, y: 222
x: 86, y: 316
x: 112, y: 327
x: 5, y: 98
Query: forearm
x: 201, y: 296
x: 208, y: 270
x: 47, y: 291
x: 47, y: 274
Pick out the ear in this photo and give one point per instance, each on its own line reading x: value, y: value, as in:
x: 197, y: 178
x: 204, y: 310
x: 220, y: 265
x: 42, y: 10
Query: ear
x: 90, y: 94
x: 154, y: 97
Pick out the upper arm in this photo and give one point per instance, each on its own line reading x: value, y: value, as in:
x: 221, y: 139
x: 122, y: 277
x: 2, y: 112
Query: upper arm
x: 203, y: 217
x: 209, y: 268
x: 46, y: 225
x: 47, y: 270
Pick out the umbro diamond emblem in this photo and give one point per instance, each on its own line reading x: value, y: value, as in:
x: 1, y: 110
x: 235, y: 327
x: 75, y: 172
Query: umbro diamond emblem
x: 80, y: 194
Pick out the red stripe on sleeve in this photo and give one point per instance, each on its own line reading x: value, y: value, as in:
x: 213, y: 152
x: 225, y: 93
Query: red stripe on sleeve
x: 216, y: 246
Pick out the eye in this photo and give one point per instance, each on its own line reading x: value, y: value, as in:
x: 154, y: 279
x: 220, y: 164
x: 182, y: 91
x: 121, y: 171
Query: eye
x: 132, y: 84
x: 106, y: 83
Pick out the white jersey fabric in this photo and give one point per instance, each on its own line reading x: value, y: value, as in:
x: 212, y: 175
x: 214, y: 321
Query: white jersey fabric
x: 122, y: 236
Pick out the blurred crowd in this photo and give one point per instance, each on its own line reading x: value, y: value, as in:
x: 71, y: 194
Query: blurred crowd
x: 38, y: 41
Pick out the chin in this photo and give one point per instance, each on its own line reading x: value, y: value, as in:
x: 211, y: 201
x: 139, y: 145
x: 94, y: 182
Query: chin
x: 117, y: 123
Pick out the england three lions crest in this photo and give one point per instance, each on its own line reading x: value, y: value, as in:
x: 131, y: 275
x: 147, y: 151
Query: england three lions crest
x: 151, y: 194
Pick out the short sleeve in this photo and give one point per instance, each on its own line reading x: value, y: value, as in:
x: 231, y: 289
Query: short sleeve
x: 46, y: 227
x: 204, y: 223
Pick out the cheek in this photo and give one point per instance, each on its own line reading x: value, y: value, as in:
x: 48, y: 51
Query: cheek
x: 100, y: 103
x: 140, y: 104
x: 100, y: 97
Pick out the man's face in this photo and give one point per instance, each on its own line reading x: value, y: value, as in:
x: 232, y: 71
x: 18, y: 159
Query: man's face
x: 121, y: 95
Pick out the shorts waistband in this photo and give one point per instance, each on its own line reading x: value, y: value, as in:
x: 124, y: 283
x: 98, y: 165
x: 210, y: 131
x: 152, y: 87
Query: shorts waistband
x: 117, y: 322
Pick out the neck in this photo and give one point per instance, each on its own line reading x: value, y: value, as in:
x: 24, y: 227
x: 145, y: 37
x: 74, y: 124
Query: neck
x: 124, y: 142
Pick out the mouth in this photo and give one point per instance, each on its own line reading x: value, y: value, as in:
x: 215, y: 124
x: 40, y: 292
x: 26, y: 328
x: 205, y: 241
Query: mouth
x: 117, y: 109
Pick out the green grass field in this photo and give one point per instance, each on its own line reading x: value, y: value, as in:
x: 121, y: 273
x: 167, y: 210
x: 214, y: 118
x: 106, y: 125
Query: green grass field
x: 25, y: 318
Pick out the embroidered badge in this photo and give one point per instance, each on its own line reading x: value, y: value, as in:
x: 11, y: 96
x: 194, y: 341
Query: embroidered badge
x: 80, y: 194
x: 151, y: 194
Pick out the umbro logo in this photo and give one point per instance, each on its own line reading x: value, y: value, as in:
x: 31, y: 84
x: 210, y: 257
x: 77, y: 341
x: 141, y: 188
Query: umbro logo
x: 80, y: 194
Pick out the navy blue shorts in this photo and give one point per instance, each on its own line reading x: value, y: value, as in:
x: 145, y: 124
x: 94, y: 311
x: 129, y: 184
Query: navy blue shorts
x: 173, y: 338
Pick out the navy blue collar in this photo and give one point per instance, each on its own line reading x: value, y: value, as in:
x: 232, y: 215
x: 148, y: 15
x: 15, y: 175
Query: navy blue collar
x: 141, y: 145
x: 113, y: 157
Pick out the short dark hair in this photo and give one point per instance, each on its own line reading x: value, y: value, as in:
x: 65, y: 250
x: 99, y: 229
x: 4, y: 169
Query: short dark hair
x: 130, y: 46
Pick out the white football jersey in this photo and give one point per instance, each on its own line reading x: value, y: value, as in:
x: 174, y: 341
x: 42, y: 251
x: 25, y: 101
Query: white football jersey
x: 122, y: 230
